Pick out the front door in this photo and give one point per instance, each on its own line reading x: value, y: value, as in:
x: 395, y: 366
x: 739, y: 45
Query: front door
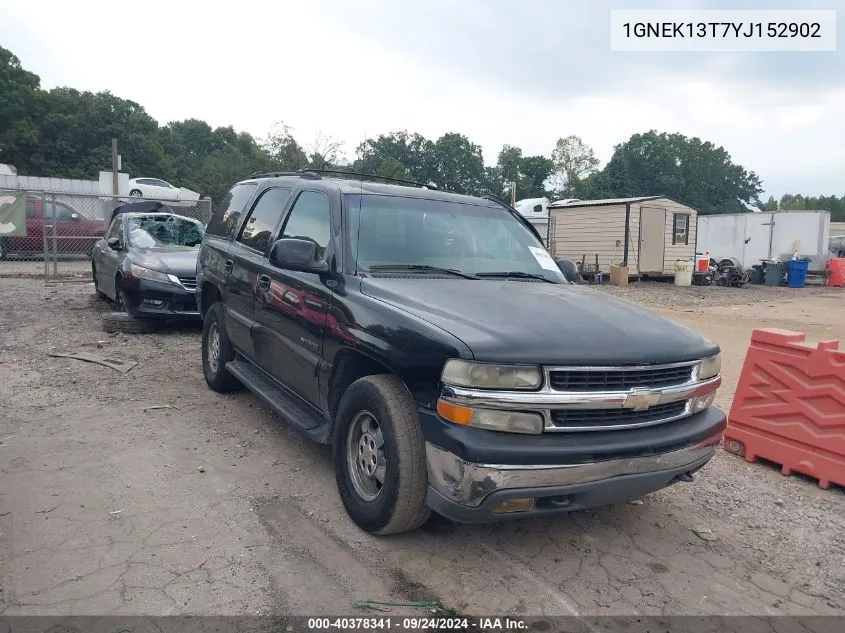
x: 107, y: 259
x: 291, y: 307
x: 652, y: 240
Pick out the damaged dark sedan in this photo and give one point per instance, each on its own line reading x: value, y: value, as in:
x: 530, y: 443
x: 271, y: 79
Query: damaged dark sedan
x: 147, y: 264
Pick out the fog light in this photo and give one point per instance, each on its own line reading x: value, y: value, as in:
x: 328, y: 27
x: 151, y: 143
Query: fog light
x: 513, y: 505
x: 153, y: 302
x: 700, y: 404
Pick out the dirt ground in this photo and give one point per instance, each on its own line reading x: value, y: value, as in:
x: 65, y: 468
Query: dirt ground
x: 111, y: 503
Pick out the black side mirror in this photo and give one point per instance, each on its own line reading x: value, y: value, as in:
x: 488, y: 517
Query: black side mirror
x: 569, y: 270
x: 296, y: 254
x: 114, y: 243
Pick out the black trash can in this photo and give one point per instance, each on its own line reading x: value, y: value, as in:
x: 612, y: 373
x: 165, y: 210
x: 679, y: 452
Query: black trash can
x: 774, y: 273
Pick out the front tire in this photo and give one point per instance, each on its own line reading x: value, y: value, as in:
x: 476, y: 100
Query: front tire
x: 217, y: 350
x: 379, y: 456
x: 5, y: 248
x: 136, y: 193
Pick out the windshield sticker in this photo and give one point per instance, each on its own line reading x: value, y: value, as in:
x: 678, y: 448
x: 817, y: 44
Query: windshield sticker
x: 543, y: 258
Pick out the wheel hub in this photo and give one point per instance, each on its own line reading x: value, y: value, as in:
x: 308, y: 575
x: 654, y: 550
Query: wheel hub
x: 365, y: 455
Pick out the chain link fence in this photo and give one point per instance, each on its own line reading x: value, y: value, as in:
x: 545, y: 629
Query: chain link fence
x: 62, y: 228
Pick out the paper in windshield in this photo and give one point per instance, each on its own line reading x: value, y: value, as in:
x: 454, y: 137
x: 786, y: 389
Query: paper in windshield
x: 543, y: 258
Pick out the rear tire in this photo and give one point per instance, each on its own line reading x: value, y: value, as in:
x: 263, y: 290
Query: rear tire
x: 377, y: 435
x: 127, y: 324
x: 217, y: 350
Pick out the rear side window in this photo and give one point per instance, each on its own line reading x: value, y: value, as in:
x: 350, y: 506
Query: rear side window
x: 228, y: 213
x: 258, y: 229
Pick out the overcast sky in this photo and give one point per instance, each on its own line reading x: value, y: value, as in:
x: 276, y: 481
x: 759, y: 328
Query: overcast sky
x: 522, y: 72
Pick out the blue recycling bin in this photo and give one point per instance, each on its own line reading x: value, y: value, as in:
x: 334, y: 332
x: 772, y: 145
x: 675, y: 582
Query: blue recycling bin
x: 796, y: 272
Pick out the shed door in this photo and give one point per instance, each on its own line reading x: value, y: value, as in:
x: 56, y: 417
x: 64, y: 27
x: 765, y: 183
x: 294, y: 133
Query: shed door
x: 652, y: 239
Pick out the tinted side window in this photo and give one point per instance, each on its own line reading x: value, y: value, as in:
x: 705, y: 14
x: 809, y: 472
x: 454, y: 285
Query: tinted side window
x: 258, y: 229
x: 228, y: 213
x: 310, y: 219
x: 31, y: 212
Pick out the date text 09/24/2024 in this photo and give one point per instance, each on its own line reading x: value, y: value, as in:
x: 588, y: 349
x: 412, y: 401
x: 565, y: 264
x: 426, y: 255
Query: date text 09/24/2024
x: 417, y: 624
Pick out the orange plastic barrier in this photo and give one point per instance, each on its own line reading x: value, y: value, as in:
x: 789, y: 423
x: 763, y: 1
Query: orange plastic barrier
x: 836, y: 272
x: 789, y: 406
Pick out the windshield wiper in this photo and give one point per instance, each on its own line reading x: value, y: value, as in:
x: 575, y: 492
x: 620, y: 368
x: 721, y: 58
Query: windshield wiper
x: 424, y: 268
x: 517, y: 273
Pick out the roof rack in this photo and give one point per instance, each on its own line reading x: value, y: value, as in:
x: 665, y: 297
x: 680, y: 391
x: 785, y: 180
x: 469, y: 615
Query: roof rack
x: 315, y: 174
x: 361, y: 176
x: 271, y: 174
x: 514, y: 212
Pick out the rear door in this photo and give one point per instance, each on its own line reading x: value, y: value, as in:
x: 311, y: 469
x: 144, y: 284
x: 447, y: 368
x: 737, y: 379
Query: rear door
x: 248, y: 257
x: 291, y: 307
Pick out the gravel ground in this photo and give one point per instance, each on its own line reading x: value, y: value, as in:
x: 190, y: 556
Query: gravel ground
x: 146, y: 493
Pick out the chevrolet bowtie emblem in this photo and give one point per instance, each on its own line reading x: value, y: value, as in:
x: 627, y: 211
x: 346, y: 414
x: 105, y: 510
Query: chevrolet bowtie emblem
x: 641, y: 399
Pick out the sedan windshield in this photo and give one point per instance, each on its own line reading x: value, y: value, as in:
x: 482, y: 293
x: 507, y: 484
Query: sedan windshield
x: 156, y: 230
x: 393, y: 233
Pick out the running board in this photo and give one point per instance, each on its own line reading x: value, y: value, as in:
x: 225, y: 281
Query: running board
x: 283, y: 402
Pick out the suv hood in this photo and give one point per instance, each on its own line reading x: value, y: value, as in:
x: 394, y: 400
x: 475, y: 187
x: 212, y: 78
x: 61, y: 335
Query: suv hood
x: 176, y: 260
x: 537, y: 322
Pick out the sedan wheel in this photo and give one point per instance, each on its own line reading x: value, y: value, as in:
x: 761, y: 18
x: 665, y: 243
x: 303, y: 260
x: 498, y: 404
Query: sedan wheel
x: 365, y: 455
x: 136, y: 193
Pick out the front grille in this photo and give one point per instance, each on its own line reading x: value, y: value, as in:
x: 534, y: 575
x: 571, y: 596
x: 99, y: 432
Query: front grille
x: 188, y: 282
x: 618, y: 379
x: 598, y: 418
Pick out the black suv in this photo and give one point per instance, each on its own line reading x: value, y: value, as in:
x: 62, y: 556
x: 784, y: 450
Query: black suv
x: 432, y: 340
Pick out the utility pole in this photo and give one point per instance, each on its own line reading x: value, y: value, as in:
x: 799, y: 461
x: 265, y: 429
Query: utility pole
x: 114, y: 168
x: 513, y: 194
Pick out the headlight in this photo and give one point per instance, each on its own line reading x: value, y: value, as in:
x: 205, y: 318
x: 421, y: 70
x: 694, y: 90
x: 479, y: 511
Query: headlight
x: 491, y: 419
x: 148, y: 273
x: 462, y: 373
x: 710, y: 367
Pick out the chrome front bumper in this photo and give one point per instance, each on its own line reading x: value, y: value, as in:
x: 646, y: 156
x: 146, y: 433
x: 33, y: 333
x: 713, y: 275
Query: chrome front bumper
x: 468, y: 484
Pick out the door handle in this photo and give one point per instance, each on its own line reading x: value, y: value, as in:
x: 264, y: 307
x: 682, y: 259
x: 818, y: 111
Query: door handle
x: 263, y: 282
x: 228, y: 266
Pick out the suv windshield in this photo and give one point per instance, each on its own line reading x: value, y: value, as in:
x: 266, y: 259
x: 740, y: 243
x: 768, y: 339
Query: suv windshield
x: 152, y: 231
x: 394, y: 231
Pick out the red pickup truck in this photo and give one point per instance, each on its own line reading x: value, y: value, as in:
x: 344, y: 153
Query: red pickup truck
x: 73, y: 233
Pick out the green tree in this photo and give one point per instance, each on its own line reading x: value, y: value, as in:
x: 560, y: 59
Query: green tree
x: 573, y: 161
x: 285, y: 150
x: 398, y: 155
x: 459, y: 164
x: 535, y: 172
x: 689, y: 170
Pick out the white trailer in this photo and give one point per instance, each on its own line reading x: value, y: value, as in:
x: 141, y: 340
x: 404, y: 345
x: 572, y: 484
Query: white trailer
x: 536, y: 211
x: 753, y: 237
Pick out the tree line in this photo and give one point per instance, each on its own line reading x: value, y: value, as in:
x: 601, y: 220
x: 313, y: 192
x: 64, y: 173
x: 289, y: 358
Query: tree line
x: 67, y: 133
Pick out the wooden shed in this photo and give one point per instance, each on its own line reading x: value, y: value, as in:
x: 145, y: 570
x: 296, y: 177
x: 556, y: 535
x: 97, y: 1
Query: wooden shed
x: 649, y: 233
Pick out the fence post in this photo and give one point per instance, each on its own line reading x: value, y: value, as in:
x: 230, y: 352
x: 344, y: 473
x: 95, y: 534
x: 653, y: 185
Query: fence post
x: 46, y: 252
x: 55, y: 241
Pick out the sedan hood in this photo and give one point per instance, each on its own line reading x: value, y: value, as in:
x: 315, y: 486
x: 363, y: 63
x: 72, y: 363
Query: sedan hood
x: 176, y: 260
x: 536, y: 322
